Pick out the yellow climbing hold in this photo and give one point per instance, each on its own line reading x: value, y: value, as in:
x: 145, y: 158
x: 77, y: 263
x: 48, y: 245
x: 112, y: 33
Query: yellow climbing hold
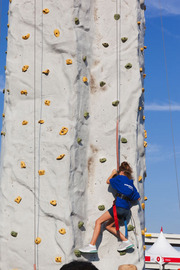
x: 45, y: 10
x: 143, y: 205
x: 41, y: 121
x: 62, y: 231
x: 145, y: 144
x: 142, y: 49
x: 141, y: 69
x: 63, y: 131
x: 85, y: 79
x: 24, y: 122
x: 3, y: 115
x: 53, y: 202
x: 60, y: 157
x: 140, y: 108
x: 18, y: 199
x: 145, y: 134
x: 138, y: 22
x: 23, y: 165
x: 10, y: 1
x: 8, y: 25
x: 58, y: 259
x: 24, y: 92
x: 47, y: 102
x: 144, y: 76
x: 145, y: 198
x: 145, y: 229
x: 144, y: 117
x: 25, y: 68
x: 142, y: 232
x: 46, y: 72
x: 68, y: 61
x: 41, y: 172
x: 143, y: 90
x: 3, y: 133
x: 148, y: 234
x: 56, y: 33
x: 140, y: 178
x: 145, y: 47
x: 37, y: 240
x: 26, y: 36
x: 144, y: 247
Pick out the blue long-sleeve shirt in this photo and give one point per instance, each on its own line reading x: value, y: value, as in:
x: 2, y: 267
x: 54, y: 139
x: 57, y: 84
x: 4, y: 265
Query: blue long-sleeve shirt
x: 122, y: 184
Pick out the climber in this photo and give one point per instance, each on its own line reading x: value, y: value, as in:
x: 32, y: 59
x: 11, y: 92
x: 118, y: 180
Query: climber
x: 126, y: 192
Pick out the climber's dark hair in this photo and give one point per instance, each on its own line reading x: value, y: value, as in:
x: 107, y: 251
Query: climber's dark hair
x: 126, y: 169
x: 78, y: 265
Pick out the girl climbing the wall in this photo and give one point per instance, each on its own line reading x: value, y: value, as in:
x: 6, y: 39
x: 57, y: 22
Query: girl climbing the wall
x: 126, y: 192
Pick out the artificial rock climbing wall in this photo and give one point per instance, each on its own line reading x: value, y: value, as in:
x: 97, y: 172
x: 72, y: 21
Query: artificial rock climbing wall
x: 73, y: 68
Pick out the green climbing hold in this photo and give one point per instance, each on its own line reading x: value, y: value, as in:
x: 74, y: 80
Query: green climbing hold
x: 77, y: 253
x: 3, y: 91
x: 79, y: 140
x: 123, y: 140
x: 84, y: 58
x: 80, y: 224
x: 101, y: 207
x: 115, y: 103
x: 128, y: 66
x: 122, y: 253
x: 116, y: 16
x: 105, y: 45
x: 86, y: 115
x: 124, y: 39
x: 14, y: 234
x: 130, y: 227
x: 102, y: 83
x: 8, y: 90
x: 102, y: 160
x: 76, y: 20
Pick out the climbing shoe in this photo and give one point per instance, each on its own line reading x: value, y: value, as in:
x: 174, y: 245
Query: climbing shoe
x: 88, y: 249
x: 125, y: 245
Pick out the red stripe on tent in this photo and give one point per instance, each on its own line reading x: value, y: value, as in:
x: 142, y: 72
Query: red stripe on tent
x: 172, y: 260
x: 147, y: 258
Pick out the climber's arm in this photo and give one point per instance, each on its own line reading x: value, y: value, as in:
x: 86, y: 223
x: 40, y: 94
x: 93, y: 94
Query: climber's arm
x: 114, y: 172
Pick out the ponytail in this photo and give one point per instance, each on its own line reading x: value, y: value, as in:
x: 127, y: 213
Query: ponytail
x: 126, y: 169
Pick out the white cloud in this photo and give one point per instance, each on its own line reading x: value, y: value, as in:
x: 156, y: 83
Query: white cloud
x: 162, y: 107
x: 2, y: 83
x: 165, y: 7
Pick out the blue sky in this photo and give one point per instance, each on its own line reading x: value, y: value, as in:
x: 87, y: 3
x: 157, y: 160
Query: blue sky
x: 162, y: 206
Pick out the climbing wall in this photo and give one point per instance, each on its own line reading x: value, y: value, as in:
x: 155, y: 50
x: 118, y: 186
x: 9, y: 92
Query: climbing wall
x: 73, y: 69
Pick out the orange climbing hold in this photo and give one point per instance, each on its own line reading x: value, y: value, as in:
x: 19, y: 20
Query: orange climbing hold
x: 142, y: 49
x: 58, y: 259
x: 145, y: 47
x: 46, y: 72
x: 145, y: 144
x: 140, y: 108
x: 143, y: 90
x: 45, y: 10
x: 25, y: 68
x: 38, y: 240
x: 41, y: 121
x: 24, y: 122
x: 3, y: 115
x: 145, y: 198
x: 144, y: 76
x: 143, y: 205
x: 142, y: 232
x: 56, y: 33
x: 145, y: 134
x: 26, y: 36
x: 68, y: 61
x: 140, y: 178
x: 85, y: 79
x: 24, y: 92
x: 62, y: 231
x: 144, y: 117
x: 141, y: 69
x: 47, y: 102
x: 41, y: 172
x: 23, y: 165
x: 138, y: 22
x: 18, y: 199
x: 53, y: 202
x: 60, y: 157
x: 63, y: 131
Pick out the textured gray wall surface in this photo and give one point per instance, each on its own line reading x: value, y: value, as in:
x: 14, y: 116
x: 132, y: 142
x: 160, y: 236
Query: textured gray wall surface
x: 77, y: 180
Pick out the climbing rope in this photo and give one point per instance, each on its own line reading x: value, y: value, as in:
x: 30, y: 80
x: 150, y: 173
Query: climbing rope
x: 35, y: 170
x: 118, y: 48
x: 169, y: 99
